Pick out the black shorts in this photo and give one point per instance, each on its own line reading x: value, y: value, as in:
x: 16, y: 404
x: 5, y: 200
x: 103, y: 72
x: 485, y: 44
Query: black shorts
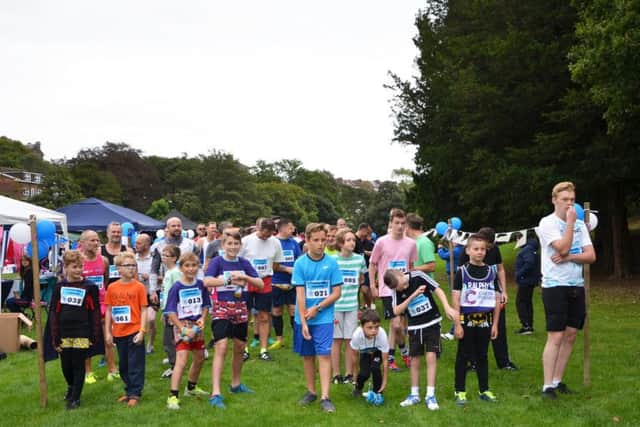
x: 224, y: 328
x: 280, y: 297
x: 424, y: 340
x: 259, y: 302
x: 387, y: 305
x: 564, y: 306
x: 366, y: 281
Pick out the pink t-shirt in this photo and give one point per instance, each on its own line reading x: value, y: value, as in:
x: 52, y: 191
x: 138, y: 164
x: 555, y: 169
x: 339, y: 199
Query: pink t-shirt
x: 399, y: 254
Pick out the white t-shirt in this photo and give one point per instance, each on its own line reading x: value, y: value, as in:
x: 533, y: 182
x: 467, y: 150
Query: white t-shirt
x: 363, y: 344
x: 262, y: 253
x: 144, y: 267
x: 550, y: 229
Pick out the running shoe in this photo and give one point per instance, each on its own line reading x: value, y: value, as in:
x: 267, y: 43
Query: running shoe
x: 431, y: 403
x: 245, y: 355
x: 407, y: 360
x: 487, y: 396
x: 562, y: 388
x: 275, y: 345
x: 240, y: 388
x: 393, y: 366
x: 347, y: 379
x: 265, y: 356
x: 167, y: 373
x: 461, y: 398
x: 113, y: 376
x: 90, y: 378
x: 337, y: 379
x: 217, y: 401
x: 197, y: 391
x: 410, y: 401
x: 327, y: 406
x: 308, y: 398
x: 254, y: 343
x: 173, y: 402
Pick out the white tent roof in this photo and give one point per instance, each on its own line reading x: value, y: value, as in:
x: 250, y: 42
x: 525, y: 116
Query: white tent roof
x: 13, y: 211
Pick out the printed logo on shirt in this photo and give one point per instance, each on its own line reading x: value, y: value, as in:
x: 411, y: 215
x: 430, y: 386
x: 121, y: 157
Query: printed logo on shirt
x: 72, y: 296
x: 121, y: 314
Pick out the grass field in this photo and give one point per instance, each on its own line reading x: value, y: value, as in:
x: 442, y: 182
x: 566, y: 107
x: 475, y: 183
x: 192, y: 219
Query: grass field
x: 611, y: 400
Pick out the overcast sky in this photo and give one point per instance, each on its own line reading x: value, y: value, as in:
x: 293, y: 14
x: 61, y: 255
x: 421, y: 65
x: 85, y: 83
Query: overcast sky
x: 258, y: 79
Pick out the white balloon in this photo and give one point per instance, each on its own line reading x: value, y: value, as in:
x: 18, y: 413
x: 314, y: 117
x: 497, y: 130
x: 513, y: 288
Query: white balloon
x: 160, y: 234
x: 190, y: 234
x: 593, y: 221
x: 20, y: 233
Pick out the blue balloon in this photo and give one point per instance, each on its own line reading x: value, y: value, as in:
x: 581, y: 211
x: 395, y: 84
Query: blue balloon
x: 134, y: 237
x: 374, y: 236
x: 127, y: 228
x: 46, y: 230
x: 456, y: 223
x: 579, y: 211
x: 43, y: 249
x: 442, y: 228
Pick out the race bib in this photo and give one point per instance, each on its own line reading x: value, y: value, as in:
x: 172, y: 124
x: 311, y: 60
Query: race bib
x: 419, y: 305
x: 72, y: 296
x: 260, y: 265
x: 225, y: 276
x: 113, y: 272
x: 288, y: 255
x: 121, y: 314
x: 478, y: 298
x: 400, y: 265
x: 97, y: 280
x: 221, y: 252
x: 317, y: 289
x: 349, y: 277
x: 190, y: 302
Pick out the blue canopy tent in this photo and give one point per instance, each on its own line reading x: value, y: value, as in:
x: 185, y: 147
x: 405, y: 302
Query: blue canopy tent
x: 96, y: 214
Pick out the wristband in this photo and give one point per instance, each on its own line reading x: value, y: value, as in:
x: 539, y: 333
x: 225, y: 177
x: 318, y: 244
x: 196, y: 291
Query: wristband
x: 143, y: 330
x: 320, y: 308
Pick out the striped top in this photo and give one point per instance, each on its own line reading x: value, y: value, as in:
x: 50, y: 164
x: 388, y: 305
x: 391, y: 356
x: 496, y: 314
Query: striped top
x: 351, y: 269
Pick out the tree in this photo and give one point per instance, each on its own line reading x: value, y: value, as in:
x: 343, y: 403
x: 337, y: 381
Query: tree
x: 14, y: 154
x: 58, y: 189
x: 288, y: 201
x: 159, y: 209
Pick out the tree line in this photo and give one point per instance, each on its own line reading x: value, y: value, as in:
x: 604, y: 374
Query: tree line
x: 511, y: 97
x: 213, y: 186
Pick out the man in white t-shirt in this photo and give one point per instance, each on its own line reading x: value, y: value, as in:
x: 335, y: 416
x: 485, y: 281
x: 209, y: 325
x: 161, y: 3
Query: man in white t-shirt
x: 565, y: 245
x: 264, y: 252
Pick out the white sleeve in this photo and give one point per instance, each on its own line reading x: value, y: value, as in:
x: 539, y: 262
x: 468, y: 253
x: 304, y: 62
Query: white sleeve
x: 382, y: 342
x: 357, y: 340
x: 586, y: 237
x: 548, y: 231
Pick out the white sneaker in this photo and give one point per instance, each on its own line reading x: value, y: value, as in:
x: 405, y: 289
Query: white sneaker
x: 410, y: 401
x: 372, y: 306
x: 448, y: 336
x: 167, y: 373
x: 165, y: 361
x: 206, y: 354
x: 431, y: 403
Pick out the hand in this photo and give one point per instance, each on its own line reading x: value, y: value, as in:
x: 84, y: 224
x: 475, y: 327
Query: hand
x: 374, y: 291
x: 191, y: 333
x: 560, y: 259
x: 505, y: 298
x: 305, y: 332
x: 108, y: 339
x: 420, y: 290
x: 200, y: 323
x: 494, y: 331
x: 154, y: 298
x: 451, y: 313
x: 145, y: 276
x: 311, y: 312
x: 139, y: 338
x: 382, y: 387
x: 58, y: 349
x: 459, y: 332
x: 571, y: 215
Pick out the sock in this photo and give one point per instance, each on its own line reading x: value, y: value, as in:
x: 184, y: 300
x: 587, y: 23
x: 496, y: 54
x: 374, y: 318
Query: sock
x: 263, y: 350
x: 547, y: 386
x: 256, y: 337
x: 278, y: 326
x: 174, y: 393
x: 191, y: 386
x: 431, y: 391
x: 415, y: 391
x: 392, y: 354
x: 403, y: 350
x: 555, y: 383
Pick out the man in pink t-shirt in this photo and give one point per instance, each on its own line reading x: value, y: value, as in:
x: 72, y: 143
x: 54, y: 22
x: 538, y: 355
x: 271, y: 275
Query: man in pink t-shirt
x: 398, y: 252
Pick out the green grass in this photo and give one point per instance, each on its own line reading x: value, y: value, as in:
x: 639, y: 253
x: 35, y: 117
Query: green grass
x: 612, y: 399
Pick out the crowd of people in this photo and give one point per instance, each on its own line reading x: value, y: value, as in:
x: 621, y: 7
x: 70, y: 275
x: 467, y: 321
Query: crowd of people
x: 328, y: 283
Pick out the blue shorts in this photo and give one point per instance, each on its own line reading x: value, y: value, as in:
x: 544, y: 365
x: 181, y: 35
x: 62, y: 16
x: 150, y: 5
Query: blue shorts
x: 282, y: 297
x: 320, y: 342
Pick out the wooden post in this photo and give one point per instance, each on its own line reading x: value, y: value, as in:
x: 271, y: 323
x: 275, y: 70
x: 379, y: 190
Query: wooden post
x: 35, y: 262
x: 452, y: 271
x: 587, y: 285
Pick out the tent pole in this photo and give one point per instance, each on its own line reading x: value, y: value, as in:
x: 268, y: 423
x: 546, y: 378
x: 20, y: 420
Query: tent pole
x: 35, y: 262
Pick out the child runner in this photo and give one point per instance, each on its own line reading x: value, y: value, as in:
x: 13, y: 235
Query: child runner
x: 188, y: 304
x: 170, y: 255
x: 370, y: 341
x: 126, y: 306
x: 317, y: 279
x: 230, y: 275
x: 75, y: 324
x: 353, y: 269
x: 414, y: 294
x: 477, y: 298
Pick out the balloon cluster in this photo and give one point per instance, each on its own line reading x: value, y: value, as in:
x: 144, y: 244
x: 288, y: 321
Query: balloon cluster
x: 46, y: 232
x: 442, y: 227
x: 183, y: 335
x: 376, y: 399
x: 593, y: 219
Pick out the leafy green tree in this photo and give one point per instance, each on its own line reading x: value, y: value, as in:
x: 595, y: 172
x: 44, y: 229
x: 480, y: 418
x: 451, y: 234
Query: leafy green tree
x: 288, y: 201
x: 14, y: 154
x: 58, y: 189
x: 159, y: 209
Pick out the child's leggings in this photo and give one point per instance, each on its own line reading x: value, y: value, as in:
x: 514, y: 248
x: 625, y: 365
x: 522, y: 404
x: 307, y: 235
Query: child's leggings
x: 370, y: 366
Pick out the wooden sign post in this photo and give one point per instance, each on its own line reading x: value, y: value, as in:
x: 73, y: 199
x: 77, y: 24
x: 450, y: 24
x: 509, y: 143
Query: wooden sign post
x: 587, y: 284
x: 35, y: 262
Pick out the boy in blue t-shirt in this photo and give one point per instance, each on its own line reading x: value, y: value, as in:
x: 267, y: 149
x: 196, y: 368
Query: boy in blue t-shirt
x: 317, y: 279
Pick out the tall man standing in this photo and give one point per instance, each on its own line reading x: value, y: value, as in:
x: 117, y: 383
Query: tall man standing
x: 565, y: 246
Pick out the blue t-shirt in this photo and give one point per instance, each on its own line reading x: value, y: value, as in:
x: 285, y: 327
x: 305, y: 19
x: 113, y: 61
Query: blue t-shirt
x: 318, y: 279
x: 187, y: 301
x: 222, y: 267
x: 291, y: 252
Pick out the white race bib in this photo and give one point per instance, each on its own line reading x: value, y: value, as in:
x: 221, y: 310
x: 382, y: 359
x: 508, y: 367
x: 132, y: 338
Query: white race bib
x: 229, y: 287
x: 419, y: 305
x: 113, y: 272
x: 288, y: 255
x: 400, y: 265
x: 349, y: 277
x: 72, y: 296
x: 478, y: 298
x: 260, y: 265
x: 317, y: 289
x: 97, y: 280
x: 121, y: 314
x: 189, y: 302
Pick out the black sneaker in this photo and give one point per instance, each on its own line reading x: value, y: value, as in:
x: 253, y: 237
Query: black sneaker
x: 245, y: 356
x: 357, y: 392
x: 562, y: 388
x: 348, y: 379
x: 525, y: 330
x: 266, y: 357
x: 327, y: 405
x: 308, y: 398
x: 73, y: 404
x: 549, y: 394
x: 337, y: 379
x: 510, y: 367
